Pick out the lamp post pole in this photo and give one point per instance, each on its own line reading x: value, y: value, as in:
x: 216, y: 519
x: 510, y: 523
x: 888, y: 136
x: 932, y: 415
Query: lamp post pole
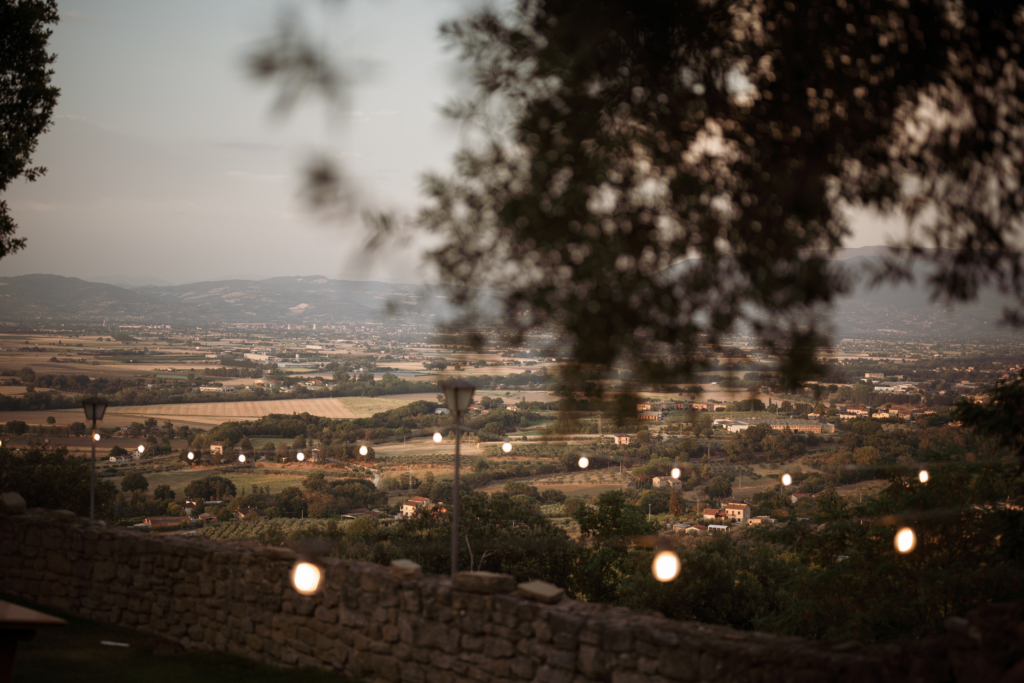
x: 455, y: 497
x: 458, y: 394
x: 92, y: 484
x: 94, y: 409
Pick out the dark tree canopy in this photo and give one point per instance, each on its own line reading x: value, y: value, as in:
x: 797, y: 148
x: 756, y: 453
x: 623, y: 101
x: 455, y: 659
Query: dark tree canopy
x: 649, y: 177
x: 654, y: 175
x: 27, y: 99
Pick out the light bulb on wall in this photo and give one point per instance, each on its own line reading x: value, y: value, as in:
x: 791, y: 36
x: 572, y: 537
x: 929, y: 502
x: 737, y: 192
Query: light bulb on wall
x: 306, y: 578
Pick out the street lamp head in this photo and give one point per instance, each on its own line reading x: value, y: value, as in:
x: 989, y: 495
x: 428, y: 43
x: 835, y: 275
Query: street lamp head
x: 94, y: 408
x: 96, y: 436
x: 458, y: 395
x: 300, y: 456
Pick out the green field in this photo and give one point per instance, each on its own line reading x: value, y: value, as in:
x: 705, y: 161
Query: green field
x: 177, y: 480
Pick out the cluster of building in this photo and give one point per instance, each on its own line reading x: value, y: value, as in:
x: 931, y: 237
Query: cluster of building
x: 779, y: 425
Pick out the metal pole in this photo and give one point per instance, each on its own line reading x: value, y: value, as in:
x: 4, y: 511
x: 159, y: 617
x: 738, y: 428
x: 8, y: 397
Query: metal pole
x: 455, y: 497
x: 92, y: 486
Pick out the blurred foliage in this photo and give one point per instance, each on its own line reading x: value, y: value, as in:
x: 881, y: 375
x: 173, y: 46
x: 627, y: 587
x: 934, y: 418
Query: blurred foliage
x: 27, y: 99
x: 51, y: 478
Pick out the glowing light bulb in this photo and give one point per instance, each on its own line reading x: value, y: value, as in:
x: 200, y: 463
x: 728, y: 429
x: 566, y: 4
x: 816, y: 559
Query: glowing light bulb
x: 96, y: 436
x: 507, y: 447
x: 241, y: 458
x: 675, y: 472
x: 922, y: 476
x: 191, y: 455
x: 437, y: 437
x: 306, y: 578
x: 786, y: 480
x: 300, y: 456
x: 584, y: 461
x: 666, y: 566
x: 363, y: 450
x: 905, y: 540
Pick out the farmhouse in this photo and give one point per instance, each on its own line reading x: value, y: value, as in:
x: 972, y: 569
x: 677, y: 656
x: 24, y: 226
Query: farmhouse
x: 217, y: 447
x: 622, y: 439
x: 666, y: 482
x: 410, y: 506
x: 737, y: 512
x: 651, y: 416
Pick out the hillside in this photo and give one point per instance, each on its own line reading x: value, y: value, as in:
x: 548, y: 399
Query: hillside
x: 312, y: 299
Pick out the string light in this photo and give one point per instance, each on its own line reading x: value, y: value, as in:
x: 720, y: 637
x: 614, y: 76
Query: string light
x: 666, y: 566
x: 306, y: 578
x: 363, y: 450
x: 437, y: 437
x: 786, y: 480
x: 241, y: 458
x: 584, y: 461
x: 922, y: 476
x: 191, y: 455
x: 905, y: 540
x: 96, y: 436
x: 506, y: 447
x: 675, y: 472
x: 142, y: 449
x: 300, y: 456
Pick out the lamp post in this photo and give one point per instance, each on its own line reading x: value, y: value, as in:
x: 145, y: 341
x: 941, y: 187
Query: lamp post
x: 458, y: 394
x: 94, y: 409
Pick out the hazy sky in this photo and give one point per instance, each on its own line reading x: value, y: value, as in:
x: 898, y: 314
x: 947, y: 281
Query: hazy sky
x: 164, y: 160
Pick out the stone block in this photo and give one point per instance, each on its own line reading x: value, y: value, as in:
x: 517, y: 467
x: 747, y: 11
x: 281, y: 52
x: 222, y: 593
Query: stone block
x: 11, y: 503
x: 406, y: 569
x: 541, y: 591
x: 483, y: 582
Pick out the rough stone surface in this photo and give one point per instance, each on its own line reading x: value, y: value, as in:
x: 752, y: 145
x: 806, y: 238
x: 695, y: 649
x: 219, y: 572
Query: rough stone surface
x: 406, y: 569
x: 541, y: 591
x: 12, y: 503
x: 483, y: 582
x: 371, y: 624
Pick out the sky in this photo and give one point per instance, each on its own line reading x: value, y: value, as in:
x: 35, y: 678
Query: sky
x: 165, y: 163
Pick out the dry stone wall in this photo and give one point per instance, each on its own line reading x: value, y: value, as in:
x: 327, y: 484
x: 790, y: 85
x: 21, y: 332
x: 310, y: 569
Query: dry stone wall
x: 370, y: 623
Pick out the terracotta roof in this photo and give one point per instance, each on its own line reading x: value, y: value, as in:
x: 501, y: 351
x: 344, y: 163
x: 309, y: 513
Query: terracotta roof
x: 710, y: 511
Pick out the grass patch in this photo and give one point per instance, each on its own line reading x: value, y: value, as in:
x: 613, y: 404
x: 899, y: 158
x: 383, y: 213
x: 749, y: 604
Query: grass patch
x: 73, y: 654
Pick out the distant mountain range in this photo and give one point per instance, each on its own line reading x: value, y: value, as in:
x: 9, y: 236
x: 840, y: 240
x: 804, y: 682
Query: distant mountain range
x: 304, y: 300
x: 887, y: 311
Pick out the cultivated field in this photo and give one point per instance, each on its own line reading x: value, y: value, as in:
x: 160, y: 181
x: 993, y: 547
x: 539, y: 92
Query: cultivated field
x: 216, y: 413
